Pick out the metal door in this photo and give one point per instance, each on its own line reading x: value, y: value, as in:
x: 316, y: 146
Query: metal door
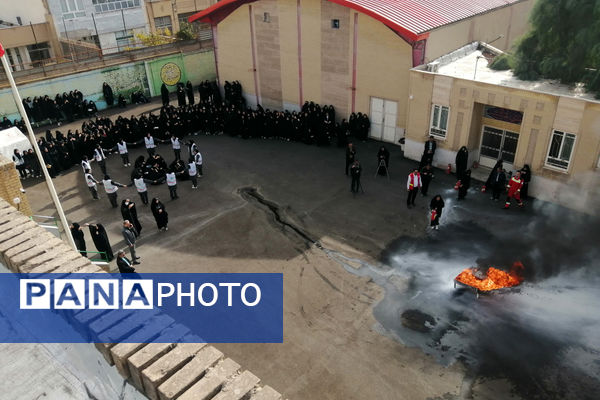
x: 383, y: 119
x: 376, y: 118
x: 497, y: 143
x: 390, y: 110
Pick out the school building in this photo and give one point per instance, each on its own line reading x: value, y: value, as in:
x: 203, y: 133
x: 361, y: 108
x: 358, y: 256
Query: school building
x: 553, y: 128
x: 353, y: 54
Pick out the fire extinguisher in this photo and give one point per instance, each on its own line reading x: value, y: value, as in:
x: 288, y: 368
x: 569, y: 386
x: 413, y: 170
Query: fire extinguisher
x: 483, y: 188
x: 449, y: 169
x: 457, y: 185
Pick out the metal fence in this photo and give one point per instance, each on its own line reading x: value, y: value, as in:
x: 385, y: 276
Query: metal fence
x: 82, y: 56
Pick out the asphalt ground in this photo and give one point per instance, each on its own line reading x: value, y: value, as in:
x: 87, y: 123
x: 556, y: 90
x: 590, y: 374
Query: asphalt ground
x: 345, y: 298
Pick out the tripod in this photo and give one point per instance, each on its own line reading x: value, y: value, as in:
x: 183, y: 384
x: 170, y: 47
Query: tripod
x: 382, y: 164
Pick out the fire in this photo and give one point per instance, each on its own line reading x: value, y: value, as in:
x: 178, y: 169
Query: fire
x: 495, y: 278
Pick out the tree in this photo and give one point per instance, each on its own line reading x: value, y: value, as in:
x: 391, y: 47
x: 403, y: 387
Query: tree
x: 563, y: 43
x: 154, y: 39
x: 186, y: 32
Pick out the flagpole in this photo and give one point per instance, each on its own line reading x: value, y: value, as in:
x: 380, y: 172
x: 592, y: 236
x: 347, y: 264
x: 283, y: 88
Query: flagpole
x: 36, y: 149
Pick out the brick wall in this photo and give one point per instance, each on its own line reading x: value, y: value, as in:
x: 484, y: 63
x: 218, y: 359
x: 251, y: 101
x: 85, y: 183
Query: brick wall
x: 162, y: 371
x: 10, y: 186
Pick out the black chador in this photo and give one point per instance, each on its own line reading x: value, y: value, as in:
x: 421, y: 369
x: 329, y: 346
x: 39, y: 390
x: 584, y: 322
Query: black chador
x: 180, y: 95
x: 108, y: 94
x: 129, y: 213
x: 164, y: 94
x: 101, y: 240
x: 160, y: 214
x: 78, y: 238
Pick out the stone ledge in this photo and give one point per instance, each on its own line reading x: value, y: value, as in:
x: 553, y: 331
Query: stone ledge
x: 165, y: 371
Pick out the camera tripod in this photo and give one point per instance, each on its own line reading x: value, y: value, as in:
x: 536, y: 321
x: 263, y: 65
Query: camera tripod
x: 382, y: 164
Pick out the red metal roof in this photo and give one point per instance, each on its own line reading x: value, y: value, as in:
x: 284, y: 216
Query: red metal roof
x: 411, y: 19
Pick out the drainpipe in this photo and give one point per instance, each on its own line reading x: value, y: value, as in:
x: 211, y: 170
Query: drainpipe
x: 354, y: 58
x: 254, y: 69
x: 299, y: 23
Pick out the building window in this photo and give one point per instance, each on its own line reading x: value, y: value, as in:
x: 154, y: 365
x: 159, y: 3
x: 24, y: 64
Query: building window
x: 161, y: 24
x: 14, y: 58
x: 124, y: 39
x: 114, y: 5
x: 266, y: 17
x: 183, y: 22
x: 39, y: 53
x: 561, y: 150
x: 335, y: 23
x: 439, y: 121
x: 72, y: 8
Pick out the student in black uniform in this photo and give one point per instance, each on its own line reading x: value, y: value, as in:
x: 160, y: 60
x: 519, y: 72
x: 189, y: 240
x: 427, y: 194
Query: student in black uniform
x: 350, y: 155
x: 355, y: 171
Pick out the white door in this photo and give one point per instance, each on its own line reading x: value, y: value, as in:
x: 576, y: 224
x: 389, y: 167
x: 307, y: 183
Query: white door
x: 390, y: 109
x: 383, y: 119
x: 376, y: 118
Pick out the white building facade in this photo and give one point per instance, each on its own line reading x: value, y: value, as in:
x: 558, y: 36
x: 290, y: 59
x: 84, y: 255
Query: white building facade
x: 27, y: 35
x: 111, y: 24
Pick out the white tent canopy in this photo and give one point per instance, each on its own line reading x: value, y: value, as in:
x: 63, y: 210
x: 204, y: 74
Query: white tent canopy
x: 11, y: 139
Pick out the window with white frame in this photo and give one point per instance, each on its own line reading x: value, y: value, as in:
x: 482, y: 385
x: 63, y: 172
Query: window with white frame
x: 72, y: 8
x: 561, y: 149
x: 163, y: 23
x: 114, y: 5
x: 439, y: 120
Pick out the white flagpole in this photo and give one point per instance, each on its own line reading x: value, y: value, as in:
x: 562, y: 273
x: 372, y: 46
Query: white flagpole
x: 36, y: 149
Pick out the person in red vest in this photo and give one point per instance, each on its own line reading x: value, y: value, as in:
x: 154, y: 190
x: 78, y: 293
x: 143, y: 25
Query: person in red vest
x: 412, y: 185
x: 514, y: 190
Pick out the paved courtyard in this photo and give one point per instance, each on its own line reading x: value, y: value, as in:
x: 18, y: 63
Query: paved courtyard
x: 355, y: 265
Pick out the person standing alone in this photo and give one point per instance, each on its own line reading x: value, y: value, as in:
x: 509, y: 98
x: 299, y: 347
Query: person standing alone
x: 172, y: 184
x: 350, y: 155
x: 130, y: 236
x: 412, y: 185
x: 355, y: 171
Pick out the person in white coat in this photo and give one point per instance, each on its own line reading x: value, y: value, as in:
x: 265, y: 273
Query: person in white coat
x: 176, y: 147
x: 193, y: 174
x: 123, y: 152
x: 150, y: 146
x: 111, y: 187
x: 100, y: 158
x: 85, y: 164
x: 140, y: 185
x: 172, y: 184
x: 198, y: 161
x: 91, y: 182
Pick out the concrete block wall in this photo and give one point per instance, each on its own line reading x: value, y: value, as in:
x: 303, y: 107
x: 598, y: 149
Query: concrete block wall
x: 162, y: 371
x: 10, y: 186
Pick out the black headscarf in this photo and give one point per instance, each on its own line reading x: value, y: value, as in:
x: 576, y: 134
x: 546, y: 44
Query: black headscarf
x: 162, y: 218
x: 101, y: 240
x: 78, y: 238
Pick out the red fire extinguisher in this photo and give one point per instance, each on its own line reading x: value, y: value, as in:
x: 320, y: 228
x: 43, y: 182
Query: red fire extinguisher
x: 457, y: 185
x: 449, y: 169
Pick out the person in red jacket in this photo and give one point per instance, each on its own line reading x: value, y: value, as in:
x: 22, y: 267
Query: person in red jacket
x: 514, y: 190
x: 412, y: 185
